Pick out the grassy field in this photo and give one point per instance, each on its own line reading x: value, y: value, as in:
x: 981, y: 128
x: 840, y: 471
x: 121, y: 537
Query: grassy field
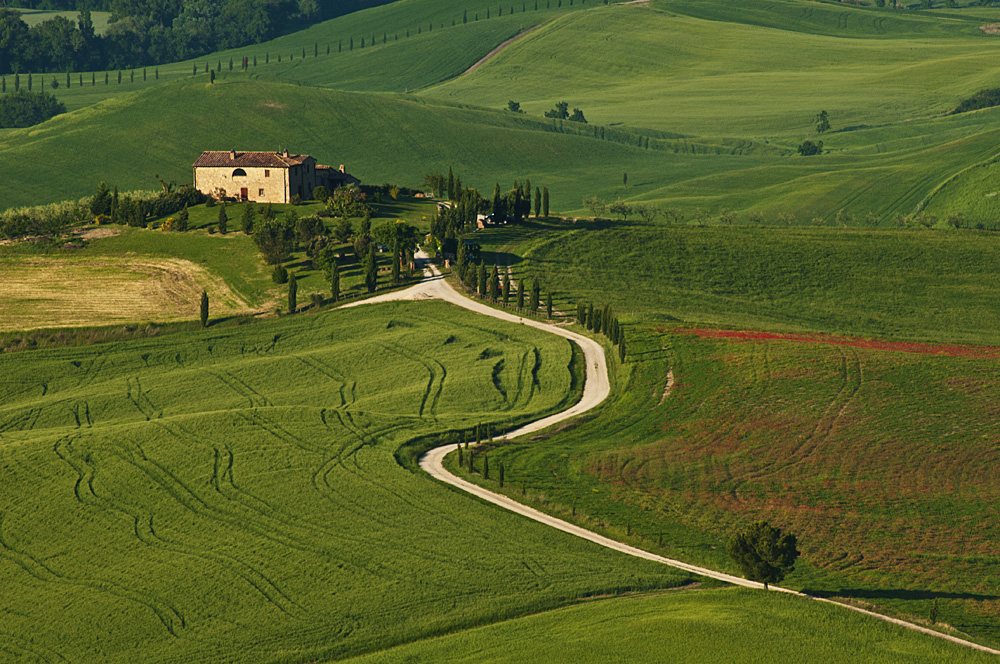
x: 905, y: 284
x: 48, y: 291
x: 717, y: 626
x: 233, y: 493
x: 35, y: 16
x: 881, y: 458
x: 138, y: 275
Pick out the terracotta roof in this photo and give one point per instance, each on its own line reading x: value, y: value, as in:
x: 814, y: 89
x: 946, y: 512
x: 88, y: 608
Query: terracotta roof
x: 253, y: 159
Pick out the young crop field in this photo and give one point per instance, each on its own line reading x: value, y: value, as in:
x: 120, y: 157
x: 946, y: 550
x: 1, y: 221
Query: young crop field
x: 731, y: 626
x: 899, y: 284
x: 45, y: 291
x: 234, y: 494
x: 880, y: 457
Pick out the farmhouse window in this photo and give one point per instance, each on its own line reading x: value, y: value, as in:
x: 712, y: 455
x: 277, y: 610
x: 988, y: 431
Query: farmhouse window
x: 239, y: 172
x: 267, y: 173
x: 260, y: 192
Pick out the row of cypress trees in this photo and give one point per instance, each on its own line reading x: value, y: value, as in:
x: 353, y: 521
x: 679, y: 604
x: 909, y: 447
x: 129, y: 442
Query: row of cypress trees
x: 602, y: 320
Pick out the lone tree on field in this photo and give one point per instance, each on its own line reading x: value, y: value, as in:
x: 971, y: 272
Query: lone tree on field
x: 293, y: 293
x: 204, y: 309
x: 763, y: 553
x: 822, y: 122
x: 223, y: 219
x: 334, y: 279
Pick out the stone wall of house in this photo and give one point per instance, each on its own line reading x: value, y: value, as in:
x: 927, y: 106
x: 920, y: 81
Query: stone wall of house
x: 263, y: 185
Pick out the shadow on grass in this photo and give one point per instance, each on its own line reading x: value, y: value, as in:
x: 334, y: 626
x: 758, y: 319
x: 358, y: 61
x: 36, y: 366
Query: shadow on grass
x: 896, y: 593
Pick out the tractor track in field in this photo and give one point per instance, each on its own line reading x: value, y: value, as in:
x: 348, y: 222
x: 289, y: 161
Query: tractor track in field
x: 495, y: 52
x: 596, y: 389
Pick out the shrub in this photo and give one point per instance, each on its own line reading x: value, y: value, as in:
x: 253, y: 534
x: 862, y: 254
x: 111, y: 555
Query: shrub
x: 279, y: 275
x: 24, y: 108
x: 210, y: 202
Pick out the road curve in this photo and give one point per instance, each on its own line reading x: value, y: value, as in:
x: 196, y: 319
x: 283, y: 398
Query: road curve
x: 595, y: 390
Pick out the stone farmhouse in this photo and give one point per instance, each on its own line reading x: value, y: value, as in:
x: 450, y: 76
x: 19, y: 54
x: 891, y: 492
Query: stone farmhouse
x: 264, y: 177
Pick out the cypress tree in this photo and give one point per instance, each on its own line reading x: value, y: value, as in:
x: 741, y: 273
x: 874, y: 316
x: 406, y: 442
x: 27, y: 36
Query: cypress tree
x: 581, y: 313
x: 500, y: 472
x: 590, y: 317
x: 545, y: 202
x: 465, y: 16
x: 334, y: 279
x: 536, y: 292
x: 316, y: 49
x: 350, y: 46
x: 486, y: 466
x: 246, y: 222
x: 182, y: 220
x: 230, y: 64
x: 293, y: 293
x: 461, y: 461
x: 520, y: 293
x: 451, y: 184
x: 3, y: 84
x: 482, y: 279
x: 506, y: 287
x: 156, y: 73
x: 144, y: 73
x: 211, y: 76
x: 17, y: 81
x: 621, y: 349
x: 548, y: 304
x: 29, y: 82
x: 194, y: 69
x: 598, y: 320
x: 371, y: 271
x: 93, y: 78
x: 114, y: 206
x: 267, y: 57
x: 223, y: 219
x: 303, y: 52
x: 479, y: 433
x: 495, y: 284
x: 119, y: 77
x: 204, y: 309
x: 395, y: 262
x: 67, y: 80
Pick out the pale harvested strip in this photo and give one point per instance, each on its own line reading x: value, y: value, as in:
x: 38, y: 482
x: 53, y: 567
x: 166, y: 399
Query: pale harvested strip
x: 42, y: 292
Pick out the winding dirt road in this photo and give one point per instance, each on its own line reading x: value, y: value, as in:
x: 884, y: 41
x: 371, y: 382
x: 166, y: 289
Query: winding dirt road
x: 596, y: 389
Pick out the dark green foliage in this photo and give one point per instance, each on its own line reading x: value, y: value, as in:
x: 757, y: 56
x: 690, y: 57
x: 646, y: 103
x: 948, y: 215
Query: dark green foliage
x: 223, y: 219
x: 115, y: 206
x: 24, y: 109
x: 536, y: 291
x: 182, y: 220
x: 548, y: 304
x: 621, y: 349
x: 520, y: 293
x: 494, y: 286
x: 763, y: 553
x: 538, y: 202
x: 396, y: 258
x: 822, y: 122
x: 246, y: 221
x: 545, y: 202
x: 279, y: 274
x: 486, y: 467
x: 983, y: 99
x: 560, y: 112
x: 577, y: 116
x: 934, y: 612
x: 371, y: 271
x: 275, y: 238
x: 204, y: 309
x: 481, y: 280
x: 506, y: 287
x: 590, y: 317
x: 581, y: 313
x: 101, y: 202
x: 808, y: 148
x: 500, y: 473
x: 334, y: 276
x: 293, y: 293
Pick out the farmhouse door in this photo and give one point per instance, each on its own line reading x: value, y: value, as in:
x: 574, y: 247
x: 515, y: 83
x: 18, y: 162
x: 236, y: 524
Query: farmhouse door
x: 244, y: 193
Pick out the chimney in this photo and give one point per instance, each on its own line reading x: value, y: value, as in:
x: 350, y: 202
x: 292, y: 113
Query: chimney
x: 342, y: 169
x: 286, y: 152
x: 232, y: 155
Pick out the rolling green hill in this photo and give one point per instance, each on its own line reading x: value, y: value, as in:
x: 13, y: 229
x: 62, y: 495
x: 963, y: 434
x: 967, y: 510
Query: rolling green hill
x: 233, y: 494
x: 717, y: 626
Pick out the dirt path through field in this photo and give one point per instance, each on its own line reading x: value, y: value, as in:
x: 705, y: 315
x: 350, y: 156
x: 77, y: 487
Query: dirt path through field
x: 596, y: 388
x: 495, y: 52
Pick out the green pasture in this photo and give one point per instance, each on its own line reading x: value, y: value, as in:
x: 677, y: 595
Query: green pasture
x: 939, y: 285
x: 233, y: 493
x: 35, y: 16
x: 649, y: 68
x: 717, y: 626
x: 880, y: 461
